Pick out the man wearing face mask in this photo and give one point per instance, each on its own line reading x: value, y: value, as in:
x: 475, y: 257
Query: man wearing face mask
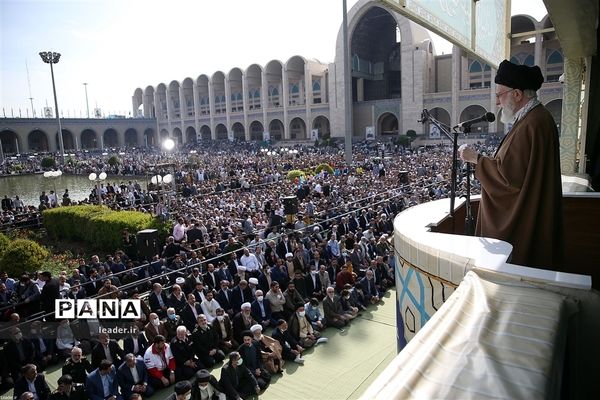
x: 224, y: 330
x: 183, y: 391
x: 261, y: 310
x: 171, y: 323
x: 237, y: 381
x: 154, y: 327
x: 207, y: 387
x: 251, y: 354
x: 301, y: 329
x: 291, y: 350
x: 19, y: 351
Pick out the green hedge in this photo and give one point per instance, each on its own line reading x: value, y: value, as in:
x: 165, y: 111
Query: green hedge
x: 4, y: 242
x: 325, y: 167
x: 98, y: 226
x: 295, y: 173
x: 23, y: 255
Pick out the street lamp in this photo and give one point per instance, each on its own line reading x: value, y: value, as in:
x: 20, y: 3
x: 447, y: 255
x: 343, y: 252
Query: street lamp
x: 53, y: 175
x: 50, y: 57
x: 168, y: 144
x: 87, y: 105
x: 97, y: 178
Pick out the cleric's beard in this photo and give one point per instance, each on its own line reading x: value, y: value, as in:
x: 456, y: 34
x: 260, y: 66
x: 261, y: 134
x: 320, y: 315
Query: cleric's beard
x: 508, y: 112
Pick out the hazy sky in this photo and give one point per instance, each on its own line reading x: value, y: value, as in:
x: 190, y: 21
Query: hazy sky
x: 118, y: 45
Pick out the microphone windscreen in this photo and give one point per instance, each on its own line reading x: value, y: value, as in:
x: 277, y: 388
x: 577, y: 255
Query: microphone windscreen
x: 490, y: 117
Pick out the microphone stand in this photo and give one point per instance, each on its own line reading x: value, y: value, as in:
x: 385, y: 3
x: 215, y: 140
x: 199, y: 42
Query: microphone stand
x: 425, y: 116
x: 469, y: 221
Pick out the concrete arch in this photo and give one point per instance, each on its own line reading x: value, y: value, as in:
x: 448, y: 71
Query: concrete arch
x: 177, y: 136
x: 519, y: 24
x: 218, y: 84
x: 173, y: 98
x: 131, y: 138
x: 110, y: 138
x: 203, y: 95
x: 274, y: 83
x: 89, y: 139
x: 187, y: 88
x: 441, y: 114
x: 239, y: 133
x: 276, y: 129
x: 37, y: 140
x: 138, y: 103
x: 474, y: 111
x: 235, y: 77
x: 205, y: 133
x: 254, y: 94
x: 163, y: 135
x: 321, y: 123
x: 221, y: 132
x: 10, y: 142
x: 387, y: 124
x: 150, y: 139
x: 295, y: 68
x: 256, y: 130
x: 68, y: 140
x: 298, y: 129
x: 190, y: 135
x: 161, y: 94
x: 149, y: 111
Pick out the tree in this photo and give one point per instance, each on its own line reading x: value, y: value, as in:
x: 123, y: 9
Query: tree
x: 23, y: 255
x: 114, y: 160
x: 48, y: 163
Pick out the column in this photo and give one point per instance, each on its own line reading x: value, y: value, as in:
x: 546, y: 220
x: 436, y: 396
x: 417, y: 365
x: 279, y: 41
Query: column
x: 196, y: 102
x: 228, y: 105
x: 245, y: 105
x: 264, y: 101
x: 456, y: 74
x: 211, y: 107
x: 308, y: 98
x: 182, y: 114
x: 286, y: 95
x: 570, y: 115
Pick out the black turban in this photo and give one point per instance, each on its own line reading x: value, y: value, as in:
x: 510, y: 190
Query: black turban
x: 519, y: 76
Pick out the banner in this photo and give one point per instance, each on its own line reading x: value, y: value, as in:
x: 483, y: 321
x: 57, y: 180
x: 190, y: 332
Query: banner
x: 434, y: 132
x: 370, y: 133
x: 48, y: 112
x: 230, y: 135
x: 314, y: 134
x: 266, y: 136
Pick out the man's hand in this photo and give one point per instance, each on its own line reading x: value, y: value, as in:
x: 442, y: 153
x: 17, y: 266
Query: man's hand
x: 257, y: 372
x: 257, y: 389
x: 172, y: 378
x: 164, y: 381
x: 468, y: 154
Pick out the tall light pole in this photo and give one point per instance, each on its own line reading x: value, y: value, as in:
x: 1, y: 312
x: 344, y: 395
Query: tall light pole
x: 87, y: 104
x: 347, y: 87
x: 50, y: 57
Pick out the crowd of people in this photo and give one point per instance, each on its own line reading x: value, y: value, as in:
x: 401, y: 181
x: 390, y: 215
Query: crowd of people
x: 241, y: 280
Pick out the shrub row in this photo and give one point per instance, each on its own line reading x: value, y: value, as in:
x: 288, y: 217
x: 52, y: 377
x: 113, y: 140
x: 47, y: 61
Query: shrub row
x: 97, y: 226
x: 21, y: 255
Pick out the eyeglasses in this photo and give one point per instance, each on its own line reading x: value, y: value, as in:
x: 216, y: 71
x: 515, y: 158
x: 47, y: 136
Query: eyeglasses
x: 498, y: 95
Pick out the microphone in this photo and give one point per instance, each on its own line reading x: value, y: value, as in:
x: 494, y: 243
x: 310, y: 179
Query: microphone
x: 487, y: 117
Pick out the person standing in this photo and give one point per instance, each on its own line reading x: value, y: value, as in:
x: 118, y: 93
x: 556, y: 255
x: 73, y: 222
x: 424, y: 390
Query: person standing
x: 521, y: 192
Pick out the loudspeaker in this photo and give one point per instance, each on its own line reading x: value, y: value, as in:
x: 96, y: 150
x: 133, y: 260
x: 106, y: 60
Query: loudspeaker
x: 147, y: 244
x: 403, y: 177
x: 290, y: 205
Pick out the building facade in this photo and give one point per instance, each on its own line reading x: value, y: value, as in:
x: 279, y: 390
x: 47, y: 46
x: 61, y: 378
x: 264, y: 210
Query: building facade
x: 396, y: 73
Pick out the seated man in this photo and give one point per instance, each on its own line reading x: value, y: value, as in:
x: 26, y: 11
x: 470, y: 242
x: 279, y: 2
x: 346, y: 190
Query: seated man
x: 270, y: 350
x: 222, y: 326
x: 171, y: 323
x: 261, y: 310
x: 313, y: 313
x: 107, y: 349
x: 136, y: 342
x: 102, y: 383
x: 160, y: 363
x: 332, y: 308
x: 291, y: 350
x: 183, y: 351
x: 132, y: 376
x: 301, y: 329
x: 236, y: 380
x: 250, y: 353
x: 206, y: 344
x: 206, y: 387
x: 370, y: 288
x: 32, y: 382
x: 183, y: 391
x: 19, y: 351
x: 67, y: 390
x: 77, y: 366
x: 242, y: 321
x: 347, y: 308
x: 154, y: 327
